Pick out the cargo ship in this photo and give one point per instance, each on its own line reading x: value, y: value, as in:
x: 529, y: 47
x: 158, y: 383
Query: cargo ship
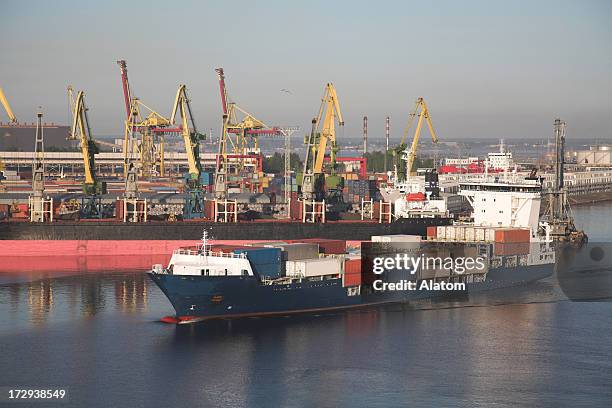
x: 192, y: 230
x: 281, y: 278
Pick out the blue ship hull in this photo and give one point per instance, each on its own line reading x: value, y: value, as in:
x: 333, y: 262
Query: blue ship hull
x: 213, y: 297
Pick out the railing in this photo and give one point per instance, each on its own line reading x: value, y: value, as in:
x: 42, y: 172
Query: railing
x: 220, y: 254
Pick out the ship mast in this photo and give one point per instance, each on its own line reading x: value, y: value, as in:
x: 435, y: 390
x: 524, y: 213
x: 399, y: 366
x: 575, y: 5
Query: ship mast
x: 558, y: 214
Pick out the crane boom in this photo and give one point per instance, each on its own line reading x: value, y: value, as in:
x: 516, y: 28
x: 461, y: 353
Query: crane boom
x: 81, y: 131
x: 127, y: 94
x: 7, y: 107
x: 322, y: 134
x: 222, y: 89
x: 331, y: 106
x: 410, y: 154
x: 190, y: 137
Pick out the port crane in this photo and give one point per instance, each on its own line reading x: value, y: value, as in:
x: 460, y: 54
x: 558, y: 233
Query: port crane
x: 245, y: 129
x: 91, y: 205
x: 409, y: 155
x: 149, y: 124
x: 7, y: 108
x: 194, y: 202
x: 322, y: 136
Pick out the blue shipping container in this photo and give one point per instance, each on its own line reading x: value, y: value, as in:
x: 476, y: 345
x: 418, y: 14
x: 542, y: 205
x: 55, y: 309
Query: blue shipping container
x: 205, y: 178
x: 266, y: 262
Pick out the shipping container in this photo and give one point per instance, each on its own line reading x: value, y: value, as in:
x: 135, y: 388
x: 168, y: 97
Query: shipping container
x: 297, y: 251
x: 511, y: 248
x: 351, y: 279
x: 460, y: 233
x: 432, y: 232
x: 396, y: 238
x: 441, y: 232
x: 225, y: 248
x: 512, y: 235
x: 306, y: 268
x: 327, y: 246
x: 119, y: 209
x: 479, y: 235
x: 352, y: 265
x: 266, y: 262
x: 470, y: 234
x: 266, y: 243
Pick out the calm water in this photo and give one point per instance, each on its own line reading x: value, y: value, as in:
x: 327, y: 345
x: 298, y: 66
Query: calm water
x: 98, y: 336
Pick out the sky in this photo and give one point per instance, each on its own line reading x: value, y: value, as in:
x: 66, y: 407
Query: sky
x: 487, y: 69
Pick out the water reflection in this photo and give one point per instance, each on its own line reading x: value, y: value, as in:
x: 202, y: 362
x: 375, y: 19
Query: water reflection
x: 40, y: 300
x: 63, y: 297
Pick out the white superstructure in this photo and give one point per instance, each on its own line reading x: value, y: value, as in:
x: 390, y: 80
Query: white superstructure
x: 200, y: 260
x: 501, y: 160
x: 504, y: 203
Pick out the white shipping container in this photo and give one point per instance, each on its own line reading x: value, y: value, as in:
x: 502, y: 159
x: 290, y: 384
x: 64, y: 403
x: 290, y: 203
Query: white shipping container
x: 297, y: 251
x: 314, y: 267
x: 441, y: 232
x: 460, y: 233
x: 479, y: 235
x: 396, y: 238
x: 470, y: 234
x: 450, y: 233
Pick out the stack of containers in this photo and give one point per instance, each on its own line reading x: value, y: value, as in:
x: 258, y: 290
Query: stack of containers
x: 373, y: 191
x: 511, y: 241
x: 357, y: 190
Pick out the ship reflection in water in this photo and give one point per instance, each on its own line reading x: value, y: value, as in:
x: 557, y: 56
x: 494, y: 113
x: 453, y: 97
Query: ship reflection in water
x: 66, y: 297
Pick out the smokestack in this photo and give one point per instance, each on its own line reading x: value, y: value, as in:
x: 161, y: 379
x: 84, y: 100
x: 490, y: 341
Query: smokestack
x: 365, y: 135
x: 387, y: 131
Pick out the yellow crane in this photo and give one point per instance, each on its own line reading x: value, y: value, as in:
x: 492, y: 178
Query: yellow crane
x: 422, y: 112
x: 81, y: 131
x: 7, y: 107
x: 322, y: 135
x: 191, y: 138
x: 194, y: 200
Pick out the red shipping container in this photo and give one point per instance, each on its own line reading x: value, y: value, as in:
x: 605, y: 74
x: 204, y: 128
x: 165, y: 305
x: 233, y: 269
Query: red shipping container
x: 432, y: 232
x: 296, y: 209
x: 512, y: 235
x: 327, y: 246
x: 226, y: 249
x: 352, y: 266
x: 514, y: 248
x: 209, y: 209
x: 351, y: 279
x: 119, y: 209
x: 352, y: 272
